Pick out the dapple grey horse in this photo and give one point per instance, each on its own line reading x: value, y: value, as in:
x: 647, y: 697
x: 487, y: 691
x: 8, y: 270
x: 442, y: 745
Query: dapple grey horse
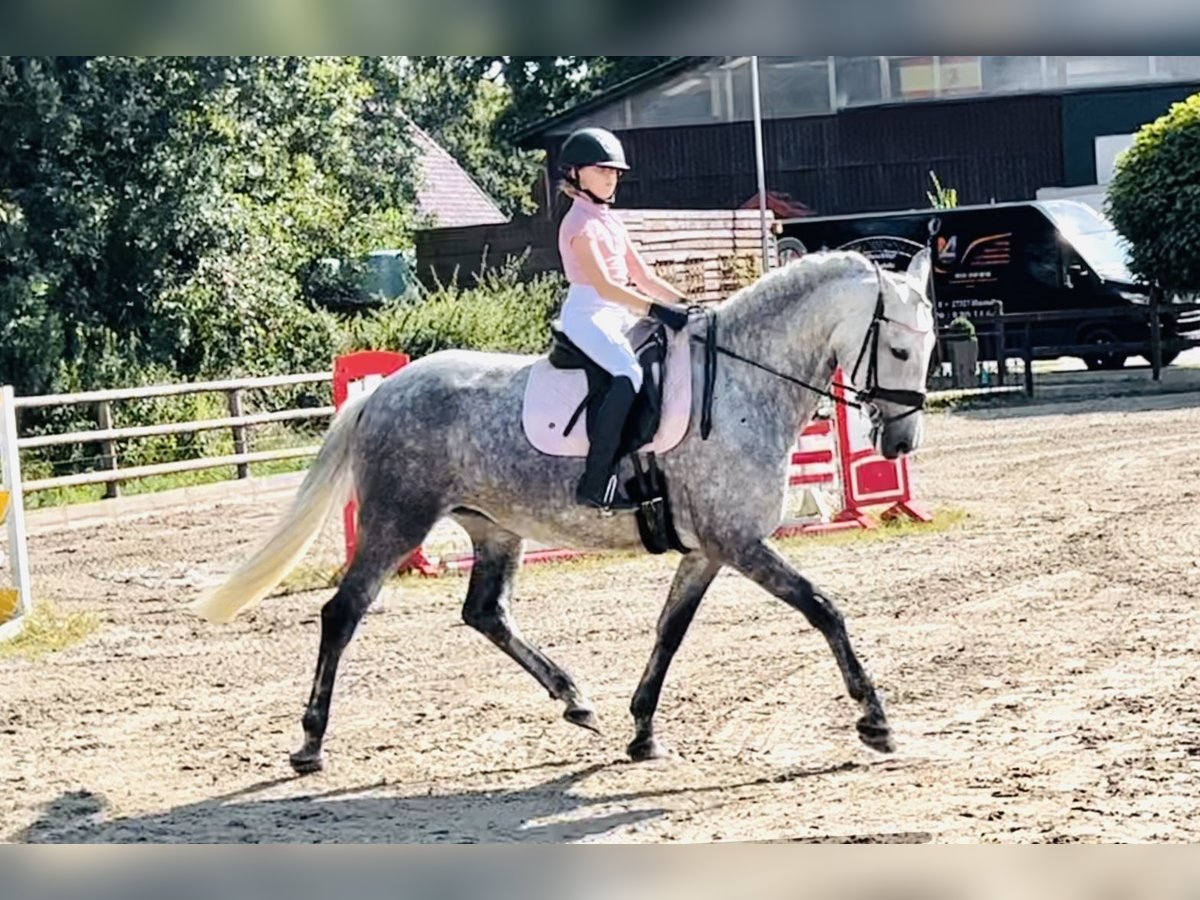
x: 443, y: 437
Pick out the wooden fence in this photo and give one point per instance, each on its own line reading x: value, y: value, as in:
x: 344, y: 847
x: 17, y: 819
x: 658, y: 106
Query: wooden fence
x: 111, y: 474
x: 708, y: 253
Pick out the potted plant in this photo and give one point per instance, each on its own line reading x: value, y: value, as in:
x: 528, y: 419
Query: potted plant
x: 962, y: 347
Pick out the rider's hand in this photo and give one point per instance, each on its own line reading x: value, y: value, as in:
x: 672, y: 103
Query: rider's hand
x: 674, y: 317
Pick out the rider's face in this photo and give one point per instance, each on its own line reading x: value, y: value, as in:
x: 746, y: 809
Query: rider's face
x: 600, y: 180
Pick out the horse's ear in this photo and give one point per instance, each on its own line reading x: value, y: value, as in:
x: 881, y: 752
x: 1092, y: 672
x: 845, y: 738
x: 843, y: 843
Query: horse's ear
x: 918, y: 271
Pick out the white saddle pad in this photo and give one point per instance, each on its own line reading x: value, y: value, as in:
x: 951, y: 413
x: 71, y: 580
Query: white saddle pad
x: 552, y: 396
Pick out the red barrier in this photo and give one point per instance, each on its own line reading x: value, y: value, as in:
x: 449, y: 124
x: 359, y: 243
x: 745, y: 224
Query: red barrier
x: 815, y: 456
x: 815, y: 472
x: 867, y: 478
x: 355, y: 374
x: 836, y: 456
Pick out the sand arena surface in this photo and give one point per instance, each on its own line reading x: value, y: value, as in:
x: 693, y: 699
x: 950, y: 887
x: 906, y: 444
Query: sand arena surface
x: 1039, y: 661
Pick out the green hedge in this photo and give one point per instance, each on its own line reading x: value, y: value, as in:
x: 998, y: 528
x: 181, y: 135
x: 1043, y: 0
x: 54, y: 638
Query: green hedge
x: 499, y: 313
x: 1154, y: 199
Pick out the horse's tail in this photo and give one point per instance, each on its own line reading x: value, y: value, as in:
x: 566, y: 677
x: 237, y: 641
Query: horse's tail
x: 327, y: 485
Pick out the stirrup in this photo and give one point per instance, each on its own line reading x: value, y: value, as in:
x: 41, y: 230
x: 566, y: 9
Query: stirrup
x: 609, y: 502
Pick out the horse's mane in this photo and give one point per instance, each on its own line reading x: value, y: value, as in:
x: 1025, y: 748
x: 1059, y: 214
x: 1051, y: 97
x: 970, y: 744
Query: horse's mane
x: 793, y: 283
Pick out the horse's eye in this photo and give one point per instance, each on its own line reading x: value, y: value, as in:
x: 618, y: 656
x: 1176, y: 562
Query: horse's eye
x: 901, y: 355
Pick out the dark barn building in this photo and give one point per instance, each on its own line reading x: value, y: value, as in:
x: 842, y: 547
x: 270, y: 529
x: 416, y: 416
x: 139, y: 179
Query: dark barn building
x: 859, y: 134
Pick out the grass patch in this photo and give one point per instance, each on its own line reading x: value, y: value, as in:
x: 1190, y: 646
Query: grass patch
x: 91, y: 493
x: 952, y: 402
x: 94, y: 492
x: 945, y: 518
x: 309, y: 577
x: 49, y: 631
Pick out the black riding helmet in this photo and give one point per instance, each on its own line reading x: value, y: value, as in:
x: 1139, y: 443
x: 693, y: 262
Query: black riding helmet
x: 590, y: 147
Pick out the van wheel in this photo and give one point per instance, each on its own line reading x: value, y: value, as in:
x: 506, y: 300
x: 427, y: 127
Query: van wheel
x: 1100, y: 361
x: 790, y: 248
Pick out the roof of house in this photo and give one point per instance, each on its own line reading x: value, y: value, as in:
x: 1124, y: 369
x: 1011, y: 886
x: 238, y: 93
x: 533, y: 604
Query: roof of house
x: 446, y: 192
x: 528, y: 137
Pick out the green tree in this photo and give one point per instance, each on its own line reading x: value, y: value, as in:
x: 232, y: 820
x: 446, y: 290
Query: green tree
x: 173, y: 212
x: 450, y: 97
x: 171, y: 216
x: 1154, y: 198
x: 544, y: 86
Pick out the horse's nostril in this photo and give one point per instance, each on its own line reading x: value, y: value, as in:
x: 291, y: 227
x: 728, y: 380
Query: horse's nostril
x: 902, y: 448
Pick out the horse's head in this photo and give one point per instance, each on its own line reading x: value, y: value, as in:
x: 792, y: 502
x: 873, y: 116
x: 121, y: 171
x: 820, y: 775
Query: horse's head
x: 886, y: 354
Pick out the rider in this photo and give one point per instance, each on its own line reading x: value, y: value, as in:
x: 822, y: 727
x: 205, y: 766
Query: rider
x: 600, y: 263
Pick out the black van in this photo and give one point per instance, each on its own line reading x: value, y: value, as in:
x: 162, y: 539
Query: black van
x: 1010, y: 257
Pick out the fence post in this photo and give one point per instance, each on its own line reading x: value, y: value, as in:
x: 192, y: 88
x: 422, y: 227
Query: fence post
x: 1001, y: 347
x: 1155, y: 334
x: 239, y: 431
x: 13, y: 519
x: 108, y: 448
x: 1029, y: 359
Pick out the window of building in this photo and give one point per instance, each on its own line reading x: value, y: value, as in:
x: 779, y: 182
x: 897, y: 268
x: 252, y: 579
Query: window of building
x: 923, y: 77
x: 859, y: 80
x: 1185, y: 68
x: 794, y: 86
x: 614, y: 117
x: 690, y: 98
x: 733, y: 85
x: 1081, y: 71
x: 1010, y: 74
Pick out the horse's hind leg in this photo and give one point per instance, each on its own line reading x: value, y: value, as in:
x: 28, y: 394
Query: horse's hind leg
x: 497, y: 558
x: 385, y: 538
x: 763, y: 565
x: 692, y: 579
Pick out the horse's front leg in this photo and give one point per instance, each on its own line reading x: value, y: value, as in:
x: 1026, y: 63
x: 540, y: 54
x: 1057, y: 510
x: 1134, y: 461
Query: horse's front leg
x: 763, y: 565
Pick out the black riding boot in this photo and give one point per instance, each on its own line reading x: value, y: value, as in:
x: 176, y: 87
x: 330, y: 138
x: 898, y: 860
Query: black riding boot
x: 600, y: 486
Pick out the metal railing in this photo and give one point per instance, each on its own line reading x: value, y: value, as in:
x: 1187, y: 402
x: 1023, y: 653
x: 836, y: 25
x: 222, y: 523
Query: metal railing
x: 1006, y: 336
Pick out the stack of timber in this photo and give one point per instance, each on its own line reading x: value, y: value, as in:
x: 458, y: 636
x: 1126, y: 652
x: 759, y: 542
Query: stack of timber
x: 707, y: 253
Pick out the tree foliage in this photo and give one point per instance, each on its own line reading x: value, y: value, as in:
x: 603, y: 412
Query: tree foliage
x: 174, y: 211
x: 173, y: 216
x: 1154, y: 199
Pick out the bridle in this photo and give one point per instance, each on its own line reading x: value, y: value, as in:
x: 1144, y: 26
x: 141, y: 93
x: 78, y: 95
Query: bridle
x: 869, y: 351
x: 914, y: 400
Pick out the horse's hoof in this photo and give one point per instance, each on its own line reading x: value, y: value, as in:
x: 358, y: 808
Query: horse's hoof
x: 583, y: 717
x: 306, y: 764
x: 876, y: 734
x: 646, y: 749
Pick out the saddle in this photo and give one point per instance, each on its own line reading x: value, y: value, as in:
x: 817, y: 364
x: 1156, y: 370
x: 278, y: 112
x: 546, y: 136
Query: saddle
x: 565, y: 389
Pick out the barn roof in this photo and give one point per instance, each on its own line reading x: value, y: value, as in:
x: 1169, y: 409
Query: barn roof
x: 446, y: 192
